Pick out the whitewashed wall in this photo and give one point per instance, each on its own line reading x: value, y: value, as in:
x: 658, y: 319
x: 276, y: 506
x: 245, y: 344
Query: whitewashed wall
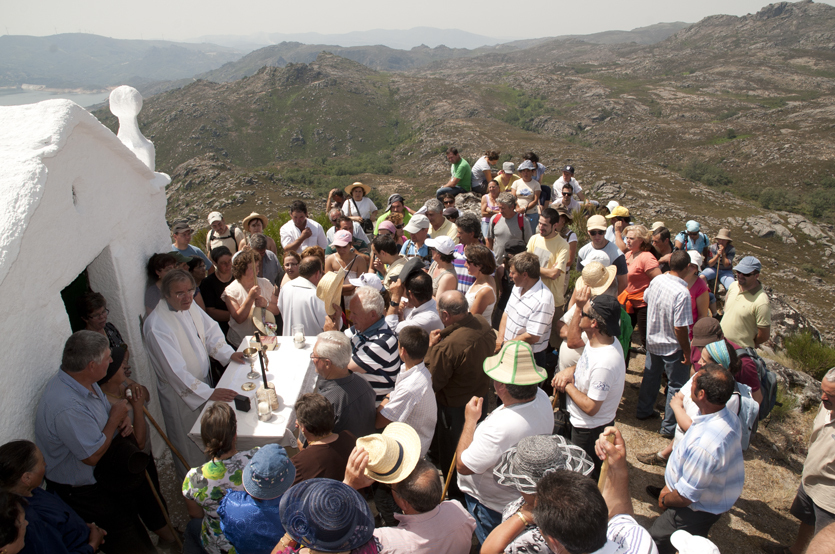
x: 71, y: 196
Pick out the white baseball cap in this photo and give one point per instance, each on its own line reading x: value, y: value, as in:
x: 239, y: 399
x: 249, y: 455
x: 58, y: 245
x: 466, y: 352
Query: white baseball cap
x: 367, y: 280
x: 442, y: 244
x: 417, y: 223
x: 215, y: 216
x: 686, y: 543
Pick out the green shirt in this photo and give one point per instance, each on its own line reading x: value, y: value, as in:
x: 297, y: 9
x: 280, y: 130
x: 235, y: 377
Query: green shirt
x: 462, y: 171
x: 406, y: 217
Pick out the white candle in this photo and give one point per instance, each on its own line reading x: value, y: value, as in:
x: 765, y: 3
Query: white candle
x: 263, y: 407
x: 299, y: 337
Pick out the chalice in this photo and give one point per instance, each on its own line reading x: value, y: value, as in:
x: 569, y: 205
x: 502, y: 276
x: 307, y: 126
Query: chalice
x: 250, y: 355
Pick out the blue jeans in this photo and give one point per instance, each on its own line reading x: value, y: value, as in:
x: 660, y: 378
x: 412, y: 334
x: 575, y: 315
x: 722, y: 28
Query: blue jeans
x: 677, y: 374
x: 485, y: 519
x: 726, y: 276
x: 451, y: 190
x: 533, y: 219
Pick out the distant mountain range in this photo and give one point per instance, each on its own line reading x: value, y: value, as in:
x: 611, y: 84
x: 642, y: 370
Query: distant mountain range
x: 77, y: 60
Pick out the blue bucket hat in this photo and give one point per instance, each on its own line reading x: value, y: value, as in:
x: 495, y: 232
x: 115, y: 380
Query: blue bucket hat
x: 269, y: 474
x: 326, y: 515
x: 693, y: 226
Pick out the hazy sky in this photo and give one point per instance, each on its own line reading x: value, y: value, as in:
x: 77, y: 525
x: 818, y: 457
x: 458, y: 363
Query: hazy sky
x: 185, y: 19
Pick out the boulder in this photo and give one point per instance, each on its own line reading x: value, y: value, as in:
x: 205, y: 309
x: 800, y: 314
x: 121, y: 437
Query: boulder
x: 806, y: 388
x: 786, y: 319
x: 469, y: 202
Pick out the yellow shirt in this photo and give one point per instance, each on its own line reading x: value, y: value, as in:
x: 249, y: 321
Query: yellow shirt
x: 744, y: 313
x: 552, y: 253
x: 448, y: 228
x: 505, y: 180
x: 818, y: 477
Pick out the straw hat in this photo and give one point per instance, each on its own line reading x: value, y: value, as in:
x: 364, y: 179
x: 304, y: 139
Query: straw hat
x: 656, y: 225
x: 330, y: 288
x: 392, y: 454
x: 365, y: 188
x: 598, y: 277
x: 514, y: 365
x: 326, y: 516
x: 255, y: 215
x: 523, y: 465
x: 724, y: 234
x: 259, y: 316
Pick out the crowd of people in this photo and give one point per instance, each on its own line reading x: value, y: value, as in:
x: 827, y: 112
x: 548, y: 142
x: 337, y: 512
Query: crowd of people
x: 445, y: 338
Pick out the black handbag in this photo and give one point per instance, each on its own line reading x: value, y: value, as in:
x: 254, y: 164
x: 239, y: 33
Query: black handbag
x: 562, y: 421
x: 366, y: 224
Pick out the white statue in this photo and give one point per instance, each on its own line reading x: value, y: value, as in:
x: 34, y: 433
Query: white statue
x: 126, y: 103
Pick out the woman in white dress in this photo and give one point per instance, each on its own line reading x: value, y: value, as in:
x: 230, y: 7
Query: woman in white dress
x: 346, y: 258
x: 482, y: 294
x: 246, y: 293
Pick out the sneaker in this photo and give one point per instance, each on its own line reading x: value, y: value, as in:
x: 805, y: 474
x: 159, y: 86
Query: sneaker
x: 653, y: 415
x: 638, y: 350
x: 652, y: 459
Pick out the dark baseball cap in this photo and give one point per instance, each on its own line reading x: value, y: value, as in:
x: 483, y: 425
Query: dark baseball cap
x: 608, y: 308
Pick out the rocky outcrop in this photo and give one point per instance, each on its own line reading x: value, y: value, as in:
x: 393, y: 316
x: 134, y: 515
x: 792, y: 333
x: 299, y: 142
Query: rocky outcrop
x: 806, y: 388
x: 786, y: 319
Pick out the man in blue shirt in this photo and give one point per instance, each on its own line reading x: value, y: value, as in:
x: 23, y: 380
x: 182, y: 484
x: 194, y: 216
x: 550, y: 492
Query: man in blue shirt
x: 74, y: 427
x: 182, y: 232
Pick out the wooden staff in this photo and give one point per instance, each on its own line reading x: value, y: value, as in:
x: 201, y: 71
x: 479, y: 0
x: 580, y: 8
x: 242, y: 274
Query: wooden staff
x: 165, y: 438
x: 449, y: 476
x: 164, y: 511
x: 604, y: 469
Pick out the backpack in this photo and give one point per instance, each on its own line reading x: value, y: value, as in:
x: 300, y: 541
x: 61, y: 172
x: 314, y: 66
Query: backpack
x: 232, y: 229
x: 768, y: 381
x: 687, y: 239
x: 747, y: 412
x: 518, y: 218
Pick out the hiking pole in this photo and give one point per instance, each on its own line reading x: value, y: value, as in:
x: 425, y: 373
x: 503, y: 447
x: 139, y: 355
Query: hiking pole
x: 165, y: 438
x: 164, y: 511
x: 604, y: 469
x: 449, y: 476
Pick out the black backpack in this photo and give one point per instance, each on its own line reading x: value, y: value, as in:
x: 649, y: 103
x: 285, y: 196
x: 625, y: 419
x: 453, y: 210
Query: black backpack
x: 768, y: 381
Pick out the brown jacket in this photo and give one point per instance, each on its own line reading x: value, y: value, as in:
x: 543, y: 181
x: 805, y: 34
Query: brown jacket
x: 457, y: 361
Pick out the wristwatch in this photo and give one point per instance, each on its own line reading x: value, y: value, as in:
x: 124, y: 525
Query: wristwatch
x: 394, y: 304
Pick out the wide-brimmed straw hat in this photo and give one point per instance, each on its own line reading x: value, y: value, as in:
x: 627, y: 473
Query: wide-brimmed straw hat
x: 534, y: 457
x: 515, y: 365
x: 724, y: 234
x: 255, y: 215
x: 365, y: 188
x: 656, y: 225
x: 392, y: 454
x: 330, y: 287
x: 599, y: 277
x: 259, y: 317
x: 326, y: 515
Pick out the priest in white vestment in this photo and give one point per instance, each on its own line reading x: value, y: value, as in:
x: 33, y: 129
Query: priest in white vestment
x: 180, y: 337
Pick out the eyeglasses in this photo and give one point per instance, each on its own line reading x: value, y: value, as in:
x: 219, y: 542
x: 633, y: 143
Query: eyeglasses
x: 584, y: 314
x: 181, y: 295
x: 334, y: 221
x: 567, y: 193
x: 449, y: 201
x: 740, y: 274
x: 469, y: 261
x: 399, y: 226
x: 101, y: 314
x: 315, y: 357
x: 596, y: 233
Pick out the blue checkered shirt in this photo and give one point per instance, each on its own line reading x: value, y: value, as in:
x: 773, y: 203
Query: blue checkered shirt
x: 668, y: 306
x: 706, y: 467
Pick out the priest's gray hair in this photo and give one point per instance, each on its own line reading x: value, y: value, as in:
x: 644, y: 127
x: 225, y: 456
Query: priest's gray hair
x: 174, y: 276
x: 334, y: 346
x: 82, y: 348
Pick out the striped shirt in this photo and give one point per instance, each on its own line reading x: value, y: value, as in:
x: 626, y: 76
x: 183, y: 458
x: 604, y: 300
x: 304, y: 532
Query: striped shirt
x: 706, y: 467
x: 668, y: 307
x: 531, y: 313
x: 459, y: 263
x: 375, y: 352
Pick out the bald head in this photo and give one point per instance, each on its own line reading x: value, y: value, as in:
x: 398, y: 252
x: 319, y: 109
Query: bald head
x: 452, y: 306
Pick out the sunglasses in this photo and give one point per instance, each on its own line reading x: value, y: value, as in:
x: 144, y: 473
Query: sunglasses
x: 567, y: 193
x: 584, y: 314
x: 399, y: 226
x: 449, y: 201
x: 739, y: 273
x: 595, y: 233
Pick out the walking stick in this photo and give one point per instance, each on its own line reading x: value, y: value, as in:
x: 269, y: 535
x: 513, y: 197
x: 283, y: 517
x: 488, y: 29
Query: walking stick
x: 449, y: 476
x: 604, y: 469
x: 165, y: 438
x: 164, y: 511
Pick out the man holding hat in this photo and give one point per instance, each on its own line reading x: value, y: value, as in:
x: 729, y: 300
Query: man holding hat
x: 747, y: 319
x: 299, y: 300
x: 596, y: 226
x: 396, y: 205
x: 525, y: 411
x: 418, y: 229
x: 222, y: 234
x: 251, y: 520
x: 595, y: 385
x: 420, y: 308
x: 182, y: 231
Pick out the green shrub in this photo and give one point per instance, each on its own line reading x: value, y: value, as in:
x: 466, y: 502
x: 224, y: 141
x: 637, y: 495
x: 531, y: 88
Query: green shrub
x: 730, y: 134
x: 198, y: 239
x: 820, y: 202
x: 828, y: 182
x: 811, y: 355
x: 788, y: 401
x: 773, y: 198
x: 708, y: 174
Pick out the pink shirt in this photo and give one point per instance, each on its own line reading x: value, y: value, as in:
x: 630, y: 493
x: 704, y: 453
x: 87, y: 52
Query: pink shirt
x: 637, y: 278
x: 448, y: 529
x: 699, y: 288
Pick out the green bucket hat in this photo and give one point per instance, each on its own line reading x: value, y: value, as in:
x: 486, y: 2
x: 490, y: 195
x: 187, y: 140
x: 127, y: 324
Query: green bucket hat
x: 514, y: 365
